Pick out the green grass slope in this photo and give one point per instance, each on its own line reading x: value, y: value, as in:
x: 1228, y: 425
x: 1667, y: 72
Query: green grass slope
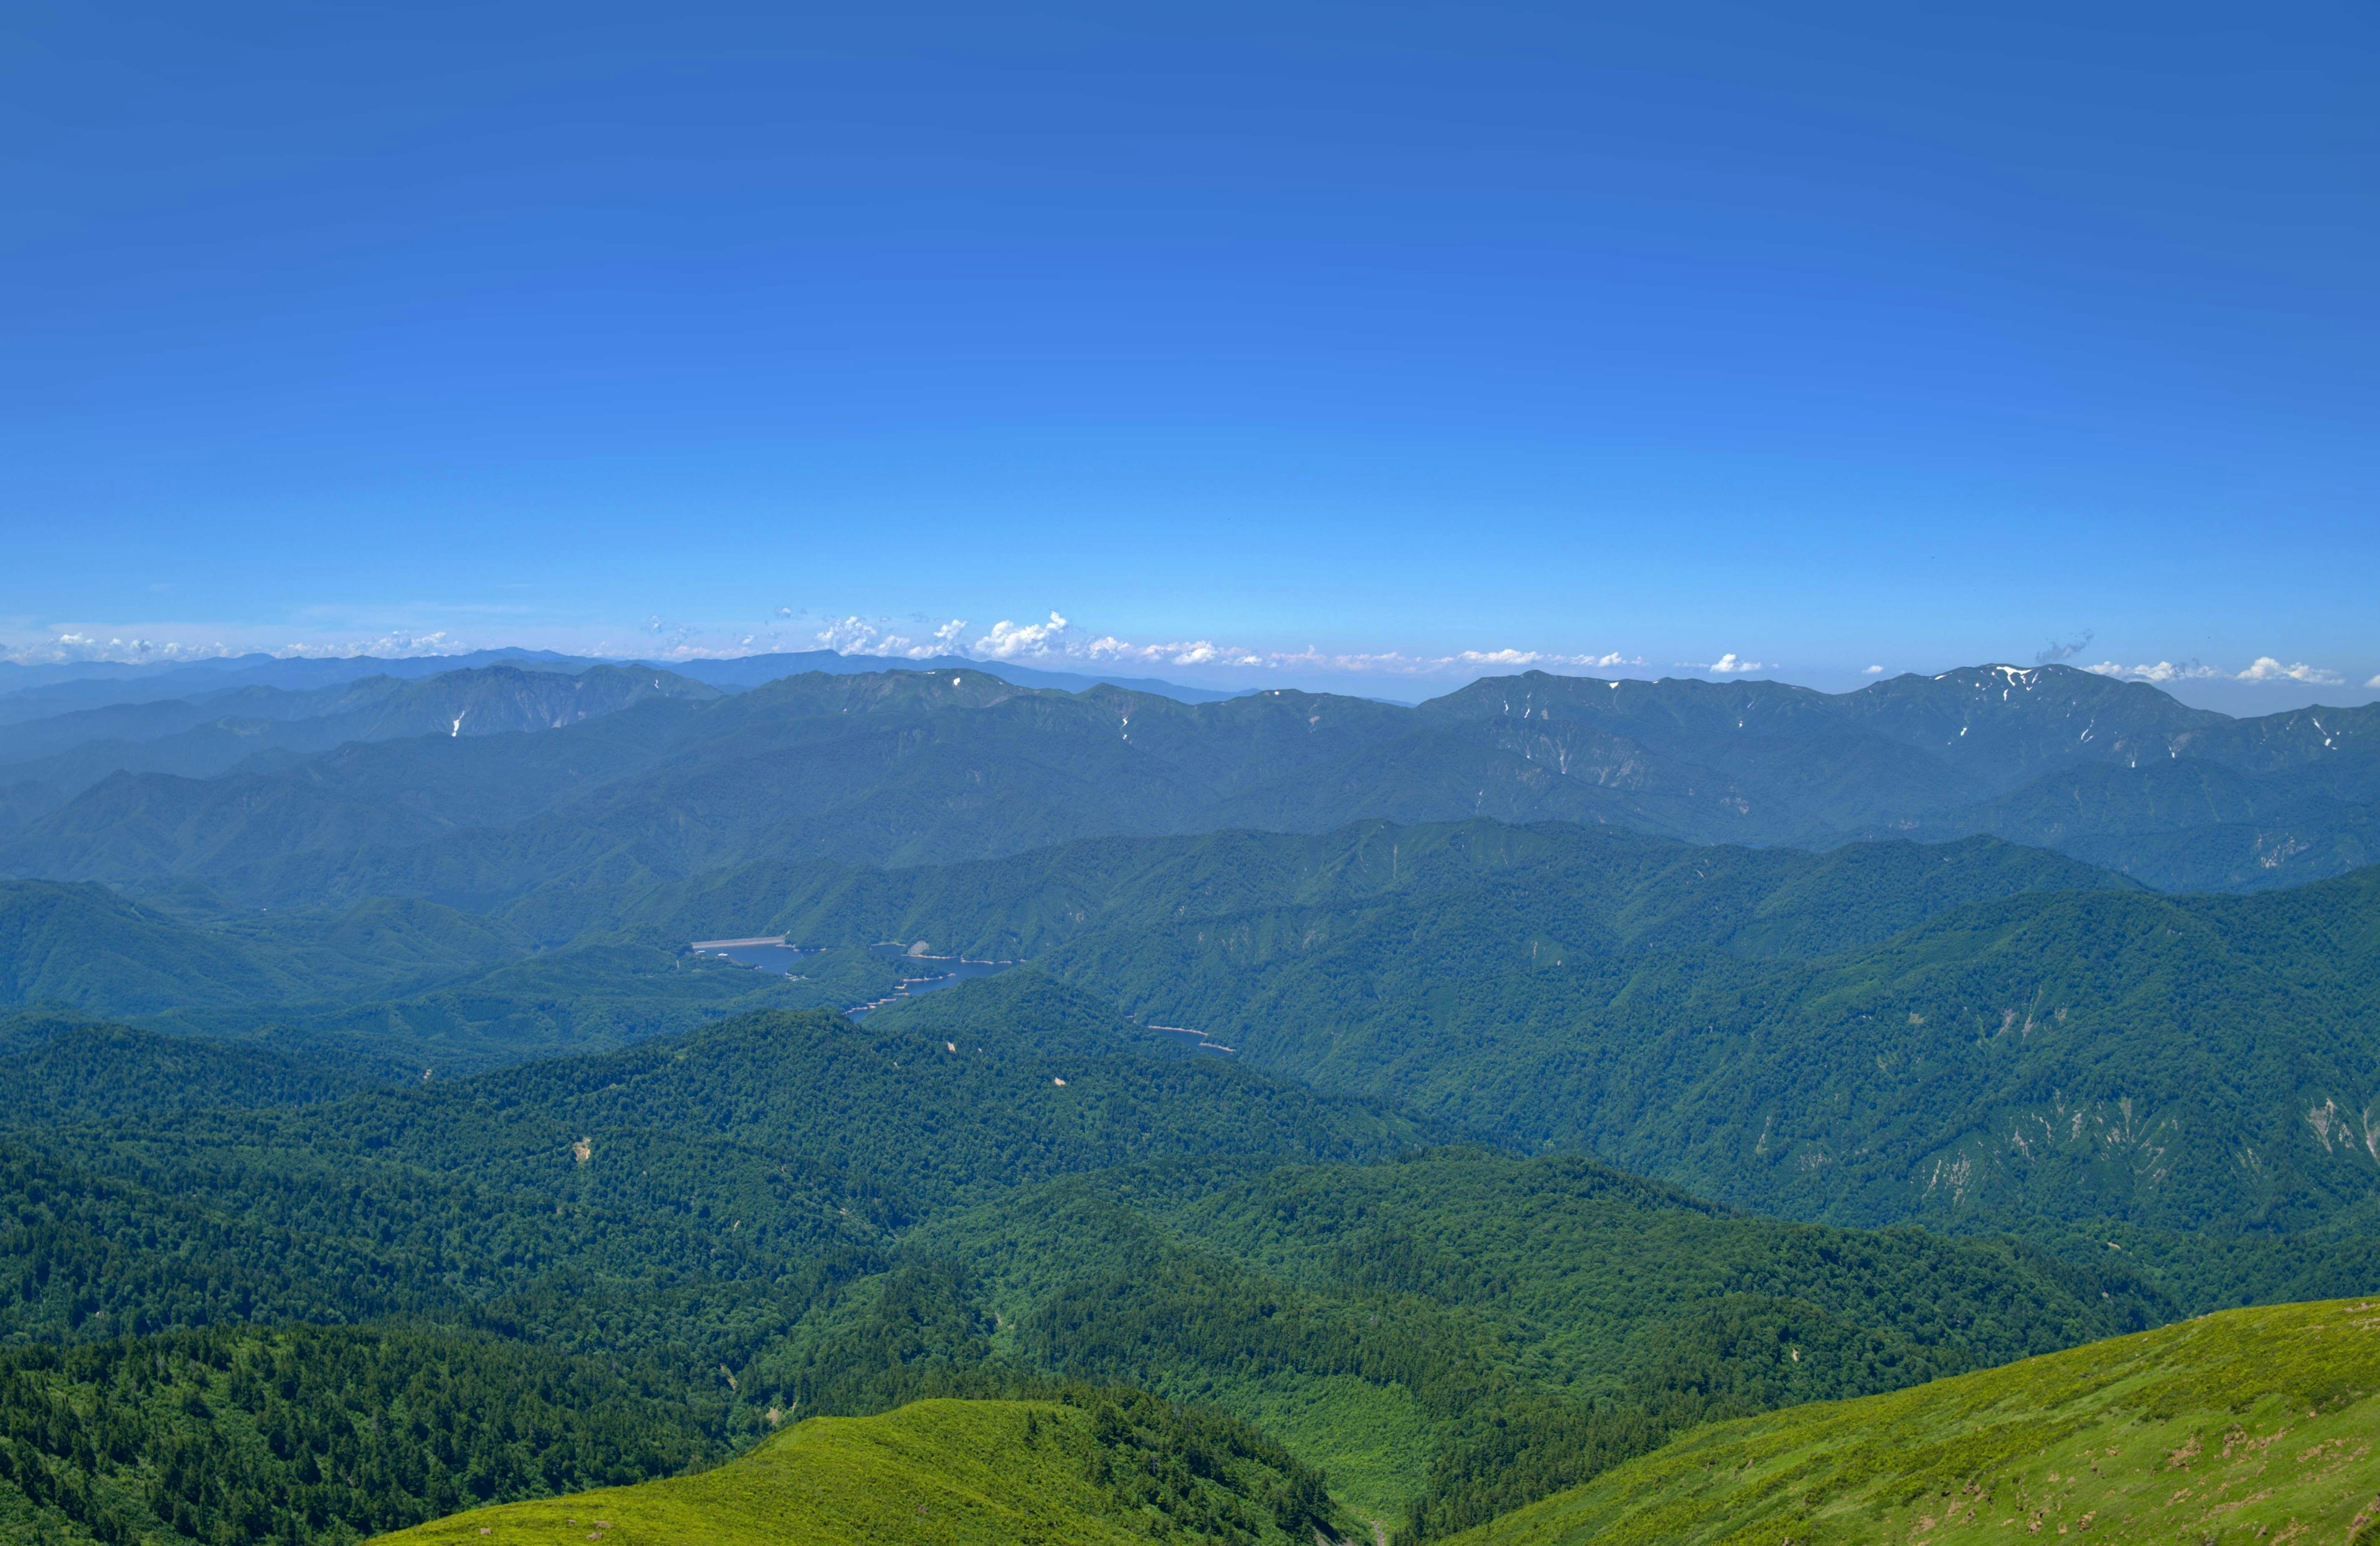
x: 2252, y: 1425
x: 1446, y: 1335
x: 949, y: 1472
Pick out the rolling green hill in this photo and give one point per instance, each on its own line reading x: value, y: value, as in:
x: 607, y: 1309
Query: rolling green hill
x: 2249, y: 1425
x: 84, y: 947
x: 805, y: 1213
x: 727, y: 1167
x: 1095, y: 1470
x: 1460, y: 1329
x: 82, y: 1072
x: 394, y: 983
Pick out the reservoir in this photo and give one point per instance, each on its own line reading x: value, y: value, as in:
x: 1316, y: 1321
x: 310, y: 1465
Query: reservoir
x: 928, y: 974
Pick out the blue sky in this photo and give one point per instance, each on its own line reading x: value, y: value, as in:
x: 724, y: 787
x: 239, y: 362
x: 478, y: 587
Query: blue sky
x: 1262, y: 342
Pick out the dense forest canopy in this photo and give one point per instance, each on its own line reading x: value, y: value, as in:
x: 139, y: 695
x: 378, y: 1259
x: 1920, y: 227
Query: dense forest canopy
x: 1292, y: 1112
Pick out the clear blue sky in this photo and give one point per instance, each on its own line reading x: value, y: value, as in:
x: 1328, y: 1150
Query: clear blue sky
x: 1867, y: 335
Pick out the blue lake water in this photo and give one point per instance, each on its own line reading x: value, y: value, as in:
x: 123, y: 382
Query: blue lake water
x: 947, y: 972
x: 933, y: 972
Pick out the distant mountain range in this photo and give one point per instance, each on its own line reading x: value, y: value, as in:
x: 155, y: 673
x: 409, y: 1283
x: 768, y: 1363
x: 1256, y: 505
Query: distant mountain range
x: 636, y: 775
x: 368, y: 1097
x: 39, y: 691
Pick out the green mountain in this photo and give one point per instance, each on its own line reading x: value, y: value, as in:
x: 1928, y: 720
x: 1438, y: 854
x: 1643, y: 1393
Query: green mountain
x: 437, y: 1170
x: 2252, y: 1425
x: 310, y: 1434
x: 910, y: 767
x: 2178, y: 1063
x: 75, y: 1073
x: 1597, y: 888
x: 87, y: 947
x: 1970, y: 1033
x: 394, y: 985
x: 723, y: 1166
x: 84, y: 947
x: 217, y: 732
x: 1447, y: 1333
x: 980, y: 1189
x: 1095, y: 1470
x: 411, y: 979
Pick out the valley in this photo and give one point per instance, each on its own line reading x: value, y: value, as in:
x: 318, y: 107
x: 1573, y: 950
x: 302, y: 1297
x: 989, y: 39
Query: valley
x: 1209, y: 1091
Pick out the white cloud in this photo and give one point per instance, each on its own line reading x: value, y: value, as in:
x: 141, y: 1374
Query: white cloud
x: 1873, y: 670
x: 859, y: 635
x: 2374, y: 682
x: 1055, y: 642
x: 2266, y: 668
x: 70, y: 646
x: 1726, y: 665
x: 1011, y: 641
x: 2164, y: 670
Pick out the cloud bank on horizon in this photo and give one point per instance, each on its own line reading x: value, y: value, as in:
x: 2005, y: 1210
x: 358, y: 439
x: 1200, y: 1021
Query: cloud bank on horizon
x: 1055, y: 642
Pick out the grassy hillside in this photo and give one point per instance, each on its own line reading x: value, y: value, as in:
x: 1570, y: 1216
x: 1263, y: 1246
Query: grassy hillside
x: 2249, y: 1425
x: 1093, y: 1472
x: 1455, y: 1328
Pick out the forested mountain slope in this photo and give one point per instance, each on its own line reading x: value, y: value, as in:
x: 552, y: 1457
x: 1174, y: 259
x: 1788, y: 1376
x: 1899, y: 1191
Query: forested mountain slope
x: 1967, y: 1032
x: 1596, y: 888
x: 685, y: 1165
x: 307, y: 1433
x: 85, y: 947
x: 908, y: 768
x: 773, y: 1214
x: 217, y: 732
x: 1318, y: 1028
x: 2252, y: 1425
x: 39, y: 691
x: 68, y: 1073
x: 187, y: 955
x: 1445, y: 1334
x: 2176, y: 1062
